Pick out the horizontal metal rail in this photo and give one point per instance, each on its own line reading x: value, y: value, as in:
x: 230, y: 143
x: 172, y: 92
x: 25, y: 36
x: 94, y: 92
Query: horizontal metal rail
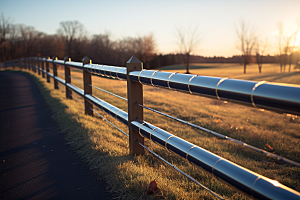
x: 244, y: 180
x: 76, y: 99
x: 282, y: 98
x: 227, y: 138
x: 108, y: 92
x: 76, y: 79
x: 109, y: 122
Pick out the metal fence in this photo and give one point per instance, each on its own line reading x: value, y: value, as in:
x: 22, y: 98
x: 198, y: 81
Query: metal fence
x: 279, y: 98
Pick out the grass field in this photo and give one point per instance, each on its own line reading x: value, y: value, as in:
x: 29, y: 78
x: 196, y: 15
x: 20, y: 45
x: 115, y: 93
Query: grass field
x: 270, y: 72
x: 106, y: 150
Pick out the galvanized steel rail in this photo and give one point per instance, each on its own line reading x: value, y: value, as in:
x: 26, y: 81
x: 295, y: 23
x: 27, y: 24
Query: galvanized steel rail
x: 279, y: 98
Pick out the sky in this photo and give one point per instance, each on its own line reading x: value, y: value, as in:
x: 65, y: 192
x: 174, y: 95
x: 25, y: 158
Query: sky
x: 215, y: 20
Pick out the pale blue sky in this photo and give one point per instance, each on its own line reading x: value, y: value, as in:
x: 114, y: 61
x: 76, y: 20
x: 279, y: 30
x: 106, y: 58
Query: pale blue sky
x: 216, y: 19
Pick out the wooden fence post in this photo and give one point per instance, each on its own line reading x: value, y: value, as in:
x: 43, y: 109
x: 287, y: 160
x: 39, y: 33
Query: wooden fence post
x: 67, y: 78
x: 38, y: 65
x: 21, y: 63
x: 54, y: 73
x: 34, y: 64
x: 31, y: 64
x: 87, y: 82
x: 13, y: 64
x: 47, y: 69
x: 24, y: 63
x: 135, y: 95
x: 43, y: 66
x: 27, y: 64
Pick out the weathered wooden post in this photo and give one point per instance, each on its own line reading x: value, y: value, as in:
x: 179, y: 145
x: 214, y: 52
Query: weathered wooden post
x: 43, y: 66
x: 135, y: 96
x: 26, y: 63
x: 13, y: 64
x: 21, y: 63
x: 38, y: 65
x: 34, y: 64
x: 87, y: 82
x: 67, y: 78
x: 47, y: 69
x: 54, y: 73
x: 31, y: 64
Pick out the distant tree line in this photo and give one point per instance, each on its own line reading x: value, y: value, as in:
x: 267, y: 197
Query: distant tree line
x: 19, y: 41
x: 179, y: 59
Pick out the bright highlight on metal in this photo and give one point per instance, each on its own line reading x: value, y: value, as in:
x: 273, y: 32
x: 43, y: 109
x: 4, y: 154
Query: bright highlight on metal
x: 256, y: 85
x: 151, y: 77
x: 140, y: 75
x: 169, y: 80
x: 189, y: 84
x: 218, y: 86
x: 140, y: 130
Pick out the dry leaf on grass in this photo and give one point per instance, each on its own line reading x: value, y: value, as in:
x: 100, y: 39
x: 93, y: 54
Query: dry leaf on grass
x: 271, y: 148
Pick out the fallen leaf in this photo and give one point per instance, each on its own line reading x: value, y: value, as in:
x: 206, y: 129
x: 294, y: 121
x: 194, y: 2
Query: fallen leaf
x: 152, y: 187
x: 271, y: 148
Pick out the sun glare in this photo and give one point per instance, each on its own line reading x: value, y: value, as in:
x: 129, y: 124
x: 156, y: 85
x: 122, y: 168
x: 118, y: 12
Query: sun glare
x: 275, y: 183
x: 288, y: 33
x: 297, y: 43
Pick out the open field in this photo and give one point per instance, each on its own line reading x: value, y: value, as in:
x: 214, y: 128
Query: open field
x: 106, y: 150
x: 270, y: 72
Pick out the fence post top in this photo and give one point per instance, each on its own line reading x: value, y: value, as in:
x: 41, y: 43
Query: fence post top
x: 86, y: 60
x: 133, y: 59
x: 67, y: 59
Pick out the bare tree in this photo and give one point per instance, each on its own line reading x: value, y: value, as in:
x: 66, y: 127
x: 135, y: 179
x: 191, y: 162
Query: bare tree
x: 279, y: 40
x: 293, y: 43
x: 147, y: 48
x: 188, y: 40
x: 247, y: 40
x: 71, y: 31
x: 5, y: 26
x: 260, y: 49
x: 30, y: 40
x: 287, y: 43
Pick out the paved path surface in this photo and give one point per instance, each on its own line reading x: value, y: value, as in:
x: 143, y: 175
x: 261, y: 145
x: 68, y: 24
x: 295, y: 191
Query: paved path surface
x: 35, y: 162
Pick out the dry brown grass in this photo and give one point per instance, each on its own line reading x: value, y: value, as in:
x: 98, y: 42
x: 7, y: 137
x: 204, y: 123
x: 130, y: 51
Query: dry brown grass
x: 106, y: 150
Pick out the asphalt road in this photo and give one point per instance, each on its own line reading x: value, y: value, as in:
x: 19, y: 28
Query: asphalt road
x: 35, y: 162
